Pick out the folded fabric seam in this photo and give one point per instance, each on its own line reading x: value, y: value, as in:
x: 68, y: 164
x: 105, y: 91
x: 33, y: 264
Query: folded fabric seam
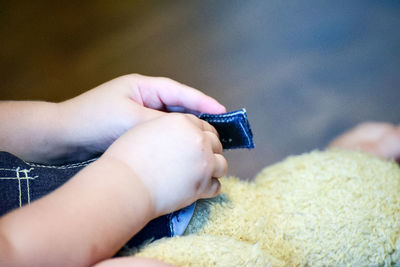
x: 233, y: 128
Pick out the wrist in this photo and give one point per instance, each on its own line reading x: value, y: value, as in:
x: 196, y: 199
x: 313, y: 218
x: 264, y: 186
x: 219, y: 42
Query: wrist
x: 72, y: 139
x: 132, y: 190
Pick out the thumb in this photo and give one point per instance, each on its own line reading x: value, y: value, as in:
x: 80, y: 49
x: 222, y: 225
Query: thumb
x: 158, y: 92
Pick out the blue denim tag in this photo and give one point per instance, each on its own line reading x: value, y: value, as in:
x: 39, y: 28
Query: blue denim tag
x: 233, y: 128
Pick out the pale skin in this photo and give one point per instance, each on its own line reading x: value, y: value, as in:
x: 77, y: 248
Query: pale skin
x: 84, y: 223
x: 376, y: 138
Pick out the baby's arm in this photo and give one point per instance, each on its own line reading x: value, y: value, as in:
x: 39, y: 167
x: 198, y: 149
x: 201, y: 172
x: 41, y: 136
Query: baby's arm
x: 155, y: 168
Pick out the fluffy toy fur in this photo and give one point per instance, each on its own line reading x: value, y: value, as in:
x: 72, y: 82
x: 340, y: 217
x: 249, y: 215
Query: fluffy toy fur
x: 318, y: 209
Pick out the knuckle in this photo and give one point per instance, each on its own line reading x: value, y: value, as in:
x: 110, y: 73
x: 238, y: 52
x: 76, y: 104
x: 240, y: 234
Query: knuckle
x: 181, y: 116
x: 186, y: 119
x: 190, y: 116
x: 131, y: 76
x: 177, y: 117
x: 200, y: 141
x: 165, y: 79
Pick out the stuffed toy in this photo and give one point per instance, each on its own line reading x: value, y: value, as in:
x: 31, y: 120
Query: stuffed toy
x: 324, y: 208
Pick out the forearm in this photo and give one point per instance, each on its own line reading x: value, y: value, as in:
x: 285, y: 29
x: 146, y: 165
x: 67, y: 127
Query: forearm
x: 86, y: 220
x: 32, y: 131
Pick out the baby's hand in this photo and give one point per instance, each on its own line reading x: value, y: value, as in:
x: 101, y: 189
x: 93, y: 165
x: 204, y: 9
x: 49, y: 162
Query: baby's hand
x: 95, y: 119
x: 177, y: 157
x: 377, y: 138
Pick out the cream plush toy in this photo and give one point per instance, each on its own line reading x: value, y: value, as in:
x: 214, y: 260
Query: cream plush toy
x: 325, y: 208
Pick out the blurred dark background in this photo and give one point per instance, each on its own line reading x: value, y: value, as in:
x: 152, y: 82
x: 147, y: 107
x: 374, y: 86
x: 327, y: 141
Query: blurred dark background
x: 304, y: 70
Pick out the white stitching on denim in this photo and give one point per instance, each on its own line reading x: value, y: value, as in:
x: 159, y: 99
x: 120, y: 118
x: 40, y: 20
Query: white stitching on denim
x: 171, y: 227
x: 245, y: 133
x: 221, y: 120
x: 62, y: 167
x: 234, y: 113
x: 25, y: 171
x: 6, y: 169
x: 19, y: 187
x: 17, y: 177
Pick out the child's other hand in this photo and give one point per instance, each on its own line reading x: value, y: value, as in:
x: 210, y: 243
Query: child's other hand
x: 377, y: 138
x: 95, y: 119
x: 177, y: 157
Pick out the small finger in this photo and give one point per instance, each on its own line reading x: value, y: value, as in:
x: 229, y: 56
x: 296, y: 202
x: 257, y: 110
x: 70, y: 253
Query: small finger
x: 202, y: 124
x: 208, y: 127
x: 220, y: 166
x: 213, y: 188
x: 216, y: 145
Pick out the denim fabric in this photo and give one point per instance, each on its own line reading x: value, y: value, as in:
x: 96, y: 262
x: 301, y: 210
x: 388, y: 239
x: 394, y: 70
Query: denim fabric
x: 22, y: 182
x: 165, y: 226
x: 233, y: 128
